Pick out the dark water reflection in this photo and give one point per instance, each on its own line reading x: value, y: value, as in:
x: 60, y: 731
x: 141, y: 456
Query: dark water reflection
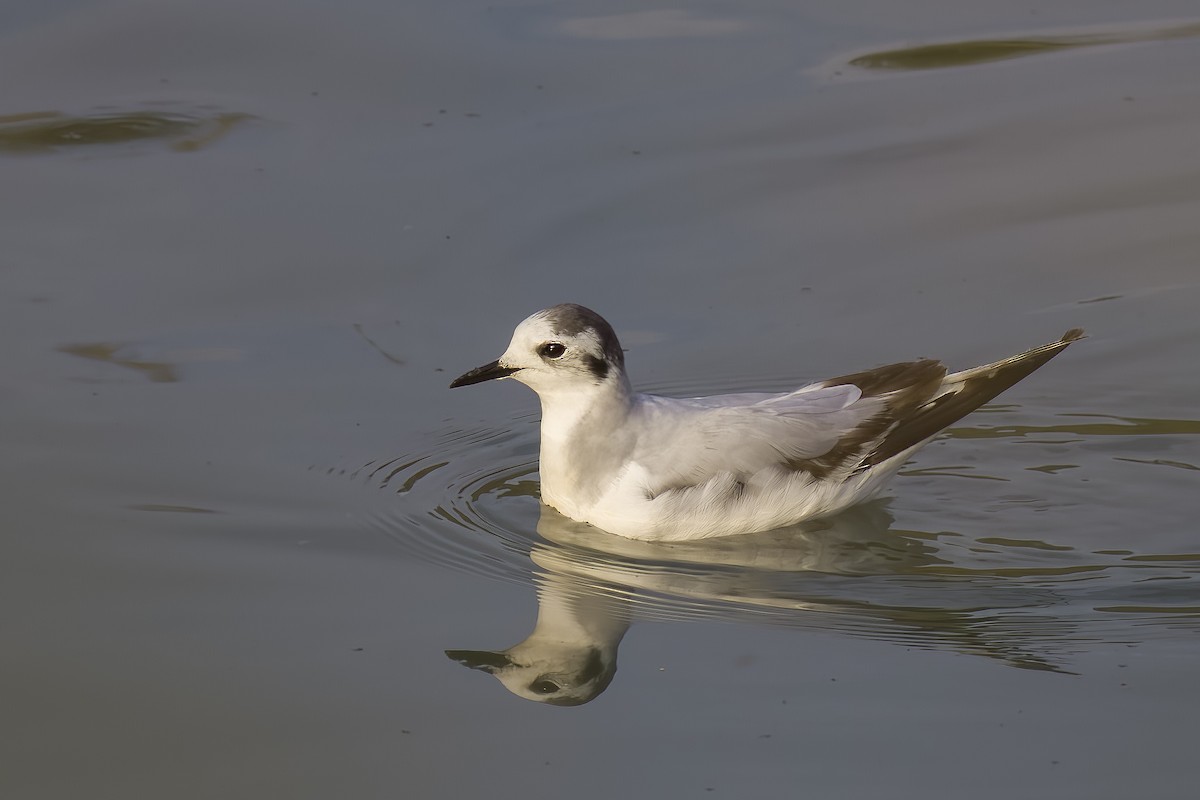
x: 942, y: 55
x: 41, y: 132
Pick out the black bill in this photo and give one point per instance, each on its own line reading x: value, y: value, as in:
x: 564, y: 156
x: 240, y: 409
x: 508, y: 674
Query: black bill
x: 485, y: 373
x: 483, y: 660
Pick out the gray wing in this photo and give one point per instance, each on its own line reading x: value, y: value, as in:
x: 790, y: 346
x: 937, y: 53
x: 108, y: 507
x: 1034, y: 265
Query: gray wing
x: 824, y: 430
x: 687, y: 442
x: 831, y: 429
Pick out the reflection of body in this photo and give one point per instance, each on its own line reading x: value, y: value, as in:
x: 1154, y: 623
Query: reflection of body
x: 666, y: 469
x: 866, y: 576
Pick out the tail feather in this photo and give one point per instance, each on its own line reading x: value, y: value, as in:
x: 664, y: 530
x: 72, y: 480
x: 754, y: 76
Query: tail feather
x: 960, y: 394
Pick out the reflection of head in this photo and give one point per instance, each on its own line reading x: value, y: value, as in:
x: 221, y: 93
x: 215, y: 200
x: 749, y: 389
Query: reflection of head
x: 571, y: 655
x: 560, y: 676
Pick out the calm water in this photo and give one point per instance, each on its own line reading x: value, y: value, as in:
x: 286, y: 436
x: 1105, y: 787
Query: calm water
x: 248, y: 245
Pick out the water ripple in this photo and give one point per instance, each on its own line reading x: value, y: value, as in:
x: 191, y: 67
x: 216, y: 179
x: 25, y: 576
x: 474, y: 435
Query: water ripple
x: 467, y: 499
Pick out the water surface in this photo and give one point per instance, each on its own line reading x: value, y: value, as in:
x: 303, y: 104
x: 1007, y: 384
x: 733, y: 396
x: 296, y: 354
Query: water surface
x: 247, y: 247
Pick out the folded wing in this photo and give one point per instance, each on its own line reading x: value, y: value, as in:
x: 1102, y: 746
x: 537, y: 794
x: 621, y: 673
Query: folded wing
x: 828, y: 430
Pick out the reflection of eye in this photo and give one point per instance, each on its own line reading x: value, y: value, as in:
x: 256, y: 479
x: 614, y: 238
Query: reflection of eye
x: 545, y: 687
x: 552, y: 350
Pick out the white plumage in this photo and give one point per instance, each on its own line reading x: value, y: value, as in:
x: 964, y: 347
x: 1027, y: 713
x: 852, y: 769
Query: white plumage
x: 659, y: 468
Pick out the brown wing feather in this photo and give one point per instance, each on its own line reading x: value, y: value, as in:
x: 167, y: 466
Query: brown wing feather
x: 906, y: 385
x: 891, y: 377
x: 967, y: 391
x: 920, y: 401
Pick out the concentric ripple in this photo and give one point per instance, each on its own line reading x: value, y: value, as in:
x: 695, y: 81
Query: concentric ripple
x: 464, y: 500
x: 1017, y: 580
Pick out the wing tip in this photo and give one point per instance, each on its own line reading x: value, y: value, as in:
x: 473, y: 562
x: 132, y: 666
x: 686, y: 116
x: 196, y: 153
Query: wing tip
x: 1073, y: 335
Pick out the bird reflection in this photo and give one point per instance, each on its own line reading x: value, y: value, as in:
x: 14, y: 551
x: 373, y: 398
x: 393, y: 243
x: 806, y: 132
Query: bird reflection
x: 571, y: 656
x: 851, y: 572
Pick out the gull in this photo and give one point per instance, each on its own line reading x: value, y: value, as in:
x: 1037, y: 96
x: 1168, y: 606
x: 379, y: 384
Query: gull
x: 675, y: 469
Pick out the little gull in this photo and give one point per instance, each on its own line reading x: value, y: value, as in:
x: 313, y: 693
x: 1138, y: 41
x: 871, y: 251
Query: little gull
x: 661, y: 468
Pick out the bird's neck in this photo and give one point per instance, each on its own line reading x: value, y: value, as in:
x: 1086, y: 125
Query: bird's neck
x: 570, y: 413
x: 582, y: 442
x: 568, y: 613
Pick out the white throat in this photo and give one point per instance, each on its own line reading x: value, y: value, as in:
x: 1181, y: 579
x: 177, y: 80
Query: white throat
x: 579, y: 441
x: 563, y: 411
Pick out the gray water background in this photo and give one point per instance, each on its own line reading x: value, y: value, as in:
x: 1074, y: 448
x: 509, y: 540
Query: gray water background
x: 246, y: 247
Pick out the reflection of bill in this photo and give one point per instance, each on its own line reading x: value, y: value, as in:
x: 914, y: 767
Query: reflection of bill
x: 850, y: 573
x: 571, y: 656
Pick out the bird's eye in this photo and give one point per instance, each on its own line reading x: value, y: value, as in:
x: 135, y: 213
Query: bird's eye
x: 552, y: 350
x: 545, y: 687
